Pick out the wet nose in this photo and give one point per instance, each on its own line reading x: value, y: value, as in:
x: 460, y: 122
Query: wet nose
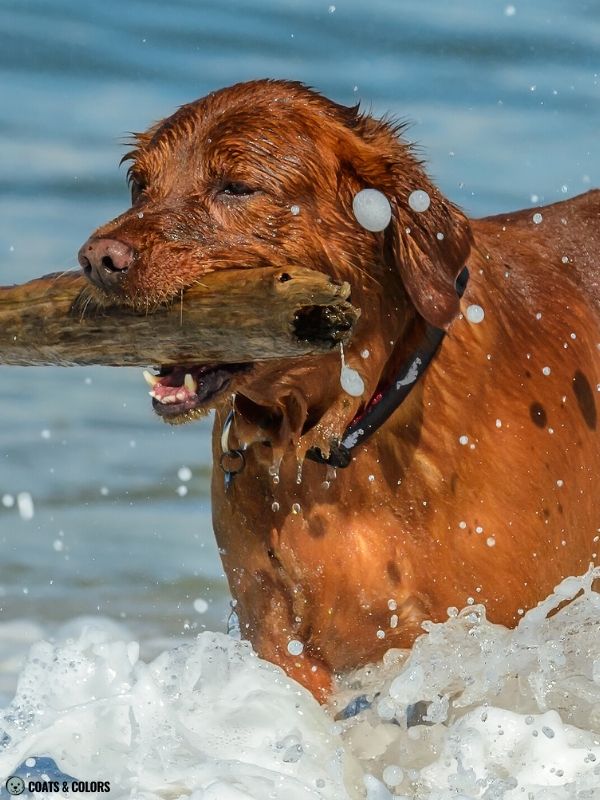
x: 105, y: 261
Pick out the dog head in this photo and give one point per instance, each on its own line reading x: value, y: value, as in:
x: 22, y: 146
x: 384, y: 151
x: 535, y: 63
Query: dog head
x: 265, y: 174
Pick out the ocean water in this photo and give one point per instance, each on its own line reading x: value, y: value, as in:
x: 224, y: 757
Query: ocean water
x: 104, y: 511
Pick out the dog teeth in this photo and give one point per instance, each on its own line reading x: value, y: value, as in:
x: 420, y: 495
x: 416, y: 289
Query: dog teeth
x: 190, y: 384
x: 181, y: 395
x: 150, y: 379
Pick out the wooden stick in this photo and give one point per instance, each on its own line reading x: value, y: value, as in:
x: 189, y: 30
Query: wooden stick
x: 233, y: 316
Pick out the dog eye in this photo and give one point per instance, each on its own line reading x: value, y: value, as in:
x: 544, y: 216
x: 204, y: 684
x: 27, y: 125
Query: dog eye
x: 137, y: 188
x: 237, y: 189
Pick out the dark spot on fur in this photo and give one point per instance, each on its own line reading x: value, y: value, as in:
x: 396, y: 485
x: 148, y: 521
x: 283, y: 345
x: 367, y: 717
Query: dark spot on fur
x: 454, y: 482
x: 585, y: 399
x: 538, y: 415
x: 317, y: 529
x: 393, y: 572
x: 560, y: 508
x: 527, y: 373
x: 546, y: 512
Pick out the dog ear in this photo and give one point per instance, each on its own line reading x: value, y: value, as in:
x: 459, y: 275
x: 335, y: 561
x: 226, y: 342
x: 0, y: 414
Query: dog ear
x: 429, y: 247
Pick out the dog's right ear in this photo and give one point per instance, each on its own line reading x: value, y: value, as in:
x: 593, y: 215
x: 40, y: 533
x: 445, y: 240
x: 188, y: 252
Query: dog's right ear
x: 428, y: 243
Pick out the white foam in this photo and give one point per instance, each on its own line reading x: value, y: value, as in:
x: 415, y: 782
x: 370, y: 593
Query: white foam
x: 208, y: 718
x: 473, y: 711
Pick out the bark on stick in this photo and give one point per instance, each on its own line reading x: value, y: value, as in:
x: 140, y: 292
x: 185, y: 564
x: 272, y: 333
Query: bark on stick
x: 232, y: 317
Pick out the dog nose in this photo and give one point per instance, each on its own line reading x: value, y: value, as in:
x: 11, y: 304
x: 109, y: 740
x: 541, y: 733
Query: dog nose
x: 105, y: 261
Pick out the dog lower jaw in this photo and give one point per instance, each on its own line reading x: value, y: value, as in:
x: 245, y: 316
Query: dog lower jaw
x: 183, y: 394
x: 186, y: 416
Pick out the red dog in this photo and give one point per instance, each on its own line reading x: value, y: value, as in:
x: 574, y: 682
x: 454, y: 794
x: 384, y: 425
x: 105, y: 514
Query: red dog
x: 481, y: 482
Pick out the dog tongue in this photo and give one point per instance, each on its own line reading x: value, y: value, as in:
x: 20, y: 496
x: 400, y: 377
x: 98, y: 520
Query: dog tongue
x: 171, y: 394
x: 184, y: 387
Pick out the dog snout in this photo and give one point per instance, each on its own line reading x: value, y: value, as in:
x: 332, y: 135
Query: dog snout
x: 105, y: 261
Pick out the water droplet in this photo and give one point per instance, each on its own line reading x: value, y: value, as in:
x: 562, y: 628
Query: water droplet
x: 537, y: 218
x: 475, y: 314
x: 25, y: 505
x: 274, y: 472
x: 419, y: 200
x: 393, y: 775
x: 184, y: 474
x: 372, y: 210
x: 295, y: 647
x: 350, y: 380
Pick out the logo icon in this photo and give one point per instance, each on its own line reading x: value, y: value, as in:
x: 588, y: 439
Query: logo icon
x: 15, y: 785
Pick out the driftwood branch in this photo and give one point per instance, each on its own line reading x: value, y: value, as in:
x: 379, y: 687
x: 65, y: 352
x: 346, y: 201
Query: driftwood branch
x: 231, y: 317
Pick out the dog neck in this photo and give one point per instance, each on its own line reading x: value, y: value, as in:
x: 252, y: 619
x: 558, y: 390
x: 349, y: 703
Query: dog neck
x: 391, y: 392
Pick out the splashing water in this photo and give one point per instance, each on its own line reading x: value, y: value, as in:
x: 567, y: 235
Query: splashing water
x: 473, y: 711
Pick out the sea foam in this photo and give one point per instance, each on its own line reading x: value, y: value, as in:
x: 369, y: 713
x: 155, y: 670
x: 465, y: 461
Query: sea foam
x: 474, y: 710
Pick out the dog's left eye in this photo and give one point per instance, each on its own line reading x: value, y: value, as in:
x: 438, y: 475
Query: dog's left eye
x: 237, y: 189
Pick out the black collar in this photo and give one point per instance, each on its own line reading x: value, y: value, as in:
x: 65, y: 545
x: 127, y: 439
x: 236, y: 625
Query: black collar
x: 340, y: 453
